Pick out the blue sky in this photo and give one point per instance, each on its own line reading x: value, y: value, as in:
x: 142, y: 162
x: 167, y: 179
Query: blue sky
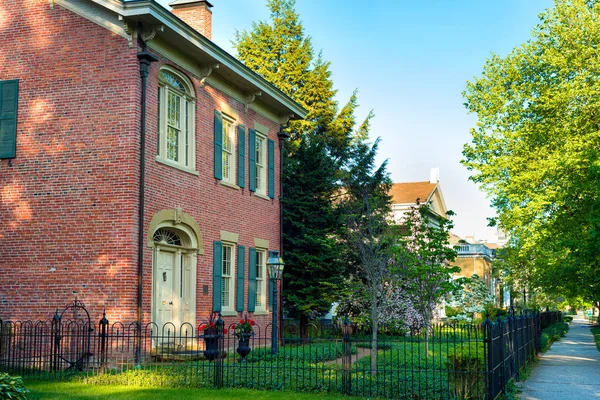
x: 410, y: 61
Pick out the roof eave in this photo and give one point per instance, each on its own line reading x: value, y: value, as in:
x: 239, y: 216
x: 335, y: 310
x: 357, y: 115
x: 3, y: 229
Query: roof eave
x: 151, y: 12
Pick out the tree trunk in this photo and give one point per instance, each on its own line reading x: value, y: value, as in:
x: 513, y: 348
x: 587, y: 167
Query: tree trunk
x: 374, y: 327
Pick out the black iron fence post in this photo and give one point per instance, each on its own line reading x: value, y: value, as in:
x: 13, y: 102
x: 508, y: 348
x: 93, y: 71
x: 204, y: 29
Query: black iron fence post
x: 488, y: 355
x: 218, y: 363
x: 55, y: 341
x: 103, y: 336
x: 347, y: 358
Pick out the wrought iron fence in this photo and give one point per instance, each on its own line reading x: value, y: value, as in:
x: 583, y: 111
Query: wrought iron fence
x: 511, y: 344
x: 446, y: 361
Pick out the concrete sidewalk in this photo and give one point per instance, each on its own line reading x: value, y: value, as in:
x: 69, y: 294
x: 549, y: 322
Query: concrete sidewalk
x: 569, y: 370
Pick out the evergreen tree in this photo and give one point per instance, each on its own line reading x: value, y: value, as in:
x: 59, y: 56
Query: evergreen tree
x: 319, y: 147
x: 310, y: 226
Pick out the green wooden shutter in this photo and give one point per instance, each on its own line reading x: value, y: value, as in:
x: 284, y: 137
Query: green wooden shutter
x: 251, y: 280
x: 270, y: 295
x: 271, y: 170
x: 217, y: 275
x: 241, y: 156
x: 8, y: 118
x: 218, y: 145
x: 239, y: 301
x: 252, y: 159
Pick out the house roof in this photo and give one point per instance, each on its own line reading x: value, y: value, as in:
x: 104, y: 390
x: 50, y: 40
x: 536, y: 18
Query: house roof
x: 409, y: 192
x: 186, y: 40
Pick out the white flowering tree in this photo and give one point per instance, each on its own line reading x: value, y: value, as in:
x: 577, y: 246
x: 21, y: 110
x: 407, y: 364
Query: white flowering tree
x: 471, y: 297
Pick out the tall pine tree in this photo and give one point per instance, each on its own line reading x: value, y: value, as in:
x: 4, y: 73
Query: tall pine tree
x: 319, y: 147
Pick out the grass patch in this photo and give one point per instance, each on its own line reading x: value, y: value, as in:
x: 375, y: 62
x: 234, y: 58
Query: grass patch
x: 596, y: 333
x: 76, y: 390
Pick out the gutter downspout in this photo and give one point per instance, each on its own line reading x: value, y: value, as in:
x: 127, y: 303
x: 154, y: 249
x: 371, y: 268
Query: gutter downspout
x: 145, y: 58
x: 282, y: 136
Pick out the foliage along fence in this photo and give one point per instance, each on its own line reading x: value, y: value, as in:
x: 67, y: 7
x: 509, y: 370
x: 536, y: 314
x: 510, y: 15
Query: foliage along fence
x: 451, y: 362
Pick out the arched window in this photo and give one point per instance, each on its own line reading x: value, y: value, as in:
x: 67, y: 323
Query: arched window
x: 176, y: 110
x: 167, y: 236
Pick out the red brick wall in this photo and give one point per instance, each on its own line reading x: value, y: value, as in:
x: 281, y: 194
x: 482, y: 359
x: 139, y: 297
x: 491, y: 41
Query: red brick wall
x: 68, y: 203
x: 214, y: 206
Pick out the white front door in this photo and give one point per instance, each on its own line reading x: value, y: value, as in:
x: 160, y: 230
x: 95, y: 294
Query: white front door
x: 164, y: 288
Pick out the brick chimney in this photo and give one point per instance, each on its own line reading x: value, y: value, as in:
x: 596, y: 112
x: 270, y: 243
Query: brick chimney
x: 195, y: 13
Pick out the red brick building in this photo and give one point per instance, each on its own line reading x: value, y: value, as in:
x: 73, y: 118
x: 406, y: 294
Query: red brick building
x: 76, y: 100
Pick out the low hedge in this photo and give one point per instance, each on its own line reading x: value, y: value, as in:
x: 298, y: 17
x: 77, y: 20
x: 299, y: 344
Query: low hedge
x: 553, y: 333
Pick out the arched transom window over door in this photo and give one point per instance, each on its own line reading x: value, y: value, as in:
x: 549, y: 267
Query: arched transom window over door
x: 174, y: 277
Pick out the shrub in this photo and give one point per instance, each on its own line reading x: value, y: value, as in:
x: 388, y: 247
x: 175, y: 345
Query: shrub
x: 380, y: 345
x: 453, y: 311
x: 553, y: 333
x: 568, y: 318
x: 11, y: 387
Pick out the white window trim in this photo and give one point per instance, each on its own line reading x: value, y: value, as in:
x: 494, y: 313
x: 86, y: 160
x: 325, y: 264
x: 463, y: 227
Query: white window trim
x: 231, y: 307
x: 262, y: 188
x: 188, y: 109
x: 265, y: 279
x: 231, y: 179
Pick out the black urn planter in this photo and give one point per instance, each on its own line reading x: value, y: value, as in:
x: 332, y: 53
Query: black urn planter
x: 211, y: 347
x: 244, y: 344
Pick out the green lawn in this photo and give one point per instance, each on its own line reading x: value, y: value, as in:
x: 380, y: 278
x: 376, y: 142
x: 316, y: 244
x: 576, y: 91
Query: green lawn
x: 406, y: 370
x: 73, y: 390
x: 596, y: 333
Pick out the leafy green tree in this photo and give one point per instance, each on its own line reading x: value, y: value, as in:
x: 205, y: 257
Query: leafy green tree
x: 535, y: 148
x: 423, y: 260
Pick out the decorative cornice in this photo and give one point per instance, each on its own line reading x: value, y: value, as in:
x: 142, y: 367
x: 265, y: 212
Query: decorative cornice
x: 249, y: 98
x: 150, y: 32
x: 129, y: 30
x: 284, y: 119
x: 150, y: 11
x: 205, y: 72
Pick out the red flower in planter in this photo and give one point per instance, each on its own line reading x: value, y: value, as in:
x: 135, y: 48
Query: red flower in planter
x: 244, y: 327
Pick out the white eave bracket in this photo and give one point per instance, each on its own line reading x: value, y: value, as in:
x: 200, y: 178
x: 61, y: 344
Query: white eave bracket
x: 205, y: 72
x: 284, y: 119
x: 147, y: 35
x: 249, y: 99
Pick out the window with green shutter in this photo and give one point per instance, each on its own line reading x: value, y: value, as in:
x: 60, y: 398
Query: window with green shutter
x: 252, y: 280
x: 252, y: 160
x: 218, y: 139
x: 239, y: 301
x: 217, y: 276
x: 271, y: 172
x: 241, y: 181
x: 8, y: 118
